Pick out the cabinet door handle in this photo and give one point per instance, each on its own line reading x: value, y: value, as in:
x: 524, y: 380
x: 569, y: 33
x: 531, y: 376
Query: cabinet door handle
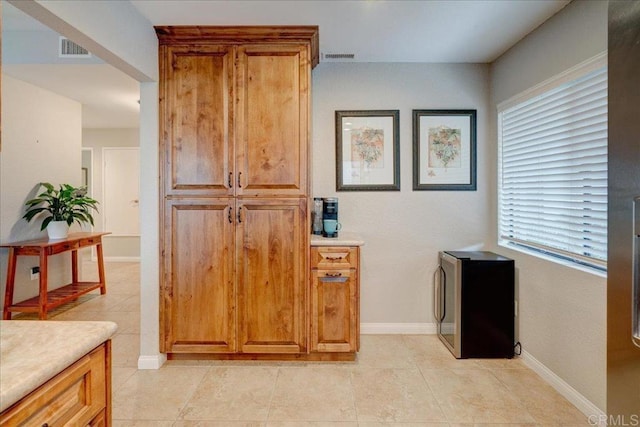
x: 230, y: 179
x: 229, y: 217
x: 333, y: 278
x: 239, y: 214
x: 334, y: 258
x: 239, y: 175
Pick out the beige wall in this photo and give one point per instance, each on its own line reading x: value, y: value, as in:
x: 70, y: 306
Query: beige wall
x: 562, y: 319
x: 403, y: 230
x: 115, y: 247
x: 41, y: 141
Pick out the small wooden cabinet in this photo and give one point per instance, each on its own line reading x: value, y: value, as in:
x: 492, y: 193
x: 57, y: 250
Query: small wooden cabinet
x: 335, y: 299
x: 79, y: 395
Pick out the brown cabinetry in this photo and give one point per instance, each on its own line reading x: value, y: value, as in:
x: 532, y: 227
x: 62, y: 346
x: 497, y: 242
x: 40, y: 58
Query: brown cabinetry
x: 335, y: 299
x: 234, y: 107
x: 79, y: 395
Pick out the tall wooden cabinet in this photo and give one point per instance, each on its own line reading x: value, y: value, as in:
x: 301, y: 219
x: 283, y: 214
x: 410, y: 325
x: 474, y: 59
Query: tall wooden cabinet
x: 234, y: 139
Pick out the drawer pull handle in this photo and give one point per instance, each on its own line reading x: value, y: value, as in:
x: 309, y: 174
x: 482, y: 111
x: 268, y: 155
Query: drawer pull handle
x: 327, y: 279
x: 334, y: 274
x: 45, y: 425
x: 334, y: 258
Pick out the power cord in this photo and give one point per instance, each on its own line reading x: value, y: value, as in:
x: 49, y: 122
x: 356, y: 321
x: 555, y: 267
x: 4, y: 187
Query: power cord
x: 517, y: 349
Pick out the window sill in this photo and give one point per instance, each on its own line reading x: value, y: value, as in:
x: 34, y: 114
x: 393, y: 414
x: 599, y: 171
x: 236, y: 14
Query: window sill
x: 556, y: 260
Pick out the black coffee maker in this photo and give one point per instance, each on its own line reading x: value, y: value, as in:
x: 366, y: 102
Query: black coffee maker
x: 330, y: 213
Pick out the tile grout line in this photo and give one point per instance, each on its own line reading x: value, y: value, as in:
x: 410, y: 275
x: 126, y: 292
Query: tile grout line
x: 195, y: 389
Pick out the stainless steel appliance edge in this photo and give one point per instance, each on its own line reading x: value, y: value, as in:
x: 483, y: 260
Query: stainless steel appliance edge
x: 623, y: 357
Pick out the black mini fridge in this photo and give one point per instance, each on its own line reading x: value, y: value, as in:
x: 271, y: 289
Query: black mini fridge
x: 474, y: 304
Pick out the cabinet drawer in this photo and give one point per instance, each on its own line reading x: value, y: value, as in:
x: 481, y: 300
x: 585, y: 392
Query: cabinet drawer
x: 63, y: 247
x: 334, y: 257
x: 89, y: 241
x: 72, y: 398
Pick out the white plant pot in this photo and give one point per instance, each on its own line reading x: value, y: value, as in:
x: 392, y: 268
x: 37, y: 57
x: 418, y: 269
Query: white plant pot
x: 57, y: 230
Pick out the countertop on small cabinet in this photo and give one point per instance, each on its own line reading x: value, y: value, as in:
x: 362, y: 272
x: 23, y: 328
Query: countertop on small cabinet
x: 343, y: 239
x: 34, y: 352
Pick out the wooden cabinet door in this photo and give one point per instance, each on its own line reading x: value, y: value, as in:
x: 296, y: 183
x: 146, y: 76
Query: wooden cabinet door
x: 198, y: 292
x: 272, y: 260
x: 272, y: 119
x: 334, y: 310
x: 196, y: 104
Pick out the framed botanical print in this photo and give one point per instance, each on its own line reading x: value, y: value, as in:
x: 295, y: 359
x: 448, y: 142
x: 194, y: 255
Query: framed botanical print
x: 368, y: 150
x: 444, y: 150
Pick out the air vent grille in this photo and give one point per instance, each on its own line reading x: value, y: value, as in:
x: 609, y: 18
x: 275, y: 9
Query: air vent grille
x: 69, y: 49
x: 337, y: 57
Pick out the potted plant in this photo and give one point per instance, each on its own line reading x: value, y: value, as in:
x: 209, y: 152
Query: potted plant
x: 61, y: 208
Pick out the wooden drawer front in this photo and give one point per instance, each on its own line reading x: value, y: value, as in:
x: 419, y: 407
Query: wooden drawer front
x: 90, y: 241
x: 72, y: 398
x: 63, y: 247
x: 334, y: 257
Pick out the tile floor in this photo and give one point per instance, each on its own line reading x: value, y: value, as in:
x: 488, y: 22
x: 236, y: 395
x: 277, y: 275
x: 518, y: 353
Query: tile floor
x: 398, y: 380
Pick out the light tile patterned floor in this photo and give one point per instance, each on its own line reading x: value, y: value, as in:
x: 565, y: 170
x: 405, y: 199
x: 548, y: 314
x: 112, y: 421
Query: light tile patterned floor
x: 398, y: 380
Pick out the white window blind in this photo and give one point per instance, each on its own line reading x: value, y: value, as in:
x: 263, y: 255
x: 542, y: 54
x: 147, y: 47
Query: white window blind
x: 553, y: 169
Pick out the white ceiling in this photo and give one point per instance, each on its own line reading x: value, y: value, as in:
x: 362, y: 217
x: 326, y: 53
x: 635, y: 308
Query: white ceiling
x: 476, y: 31
x: 109, y: 97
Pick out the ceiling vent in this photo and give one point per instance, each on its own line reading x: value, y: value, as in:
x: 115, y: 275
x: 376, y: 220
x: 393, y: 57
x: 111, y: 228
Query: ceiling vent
x: 69, y: 49
x: 337, y: 57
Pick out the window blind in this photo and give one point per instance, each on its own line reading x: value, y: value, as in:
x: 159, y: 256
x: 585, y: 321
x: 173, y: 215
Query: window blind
x: 553, y: 170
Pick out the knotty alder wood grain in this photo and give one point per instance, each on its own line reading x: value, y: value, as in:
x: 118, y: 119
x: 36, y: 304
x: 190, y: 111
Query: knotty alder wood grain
x: 199, y: 152
x: 79, y: 395
x: 335, y: 299
x: 271, y: 147
x: 199, y: 294
x: 272, y: 276
x: 234, y: 136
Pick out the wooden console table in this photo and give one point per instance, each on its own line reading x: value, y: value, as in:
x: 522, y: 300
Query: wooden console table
x: 43, y: 248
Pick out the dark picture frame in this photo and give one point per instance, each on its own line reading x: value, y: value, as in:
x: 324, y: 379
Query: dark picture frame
x: 444, y: 150
x: 368, y: 150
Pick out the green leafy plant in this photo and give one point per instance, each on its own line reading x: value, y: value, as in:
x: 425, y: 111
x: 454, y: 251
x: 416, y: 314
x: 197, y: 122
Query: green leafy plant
x: 67, y: 203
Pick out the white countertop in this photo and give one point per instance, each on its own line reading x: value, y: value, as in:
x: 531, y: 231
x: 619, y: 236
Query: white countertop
x: 344, y: 238
x: 34, y: 351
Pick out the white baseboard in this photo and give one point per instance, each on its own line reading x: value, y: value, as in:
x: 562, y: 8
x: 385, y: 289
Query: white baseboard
x: 122, y: 259
x: 151, y: 362
x: 398, y: 328
x: 595, y: 414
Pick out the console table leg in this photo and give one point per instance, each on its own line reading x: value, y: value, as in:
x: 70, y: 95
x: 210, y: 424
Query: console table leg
x: 42, y: 307
x: 103, y: 282
x: 11, y: 278
x: 74, y: 266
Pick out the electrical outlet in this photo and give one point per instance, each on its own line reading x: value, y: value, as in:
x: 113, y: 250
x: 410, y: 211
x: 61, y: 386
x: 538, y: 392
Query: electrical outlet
x: 35, y: 273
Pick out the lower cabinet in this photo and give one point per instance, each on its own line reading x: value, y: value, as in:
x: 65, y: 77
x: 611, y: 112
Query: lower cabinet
x: 235, y: 276
x: 80, y: 395
x: 335, y: 299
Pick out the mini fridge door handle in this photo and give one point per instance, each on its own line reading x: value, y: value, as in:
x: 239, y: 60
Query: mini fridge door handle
x: 438, y: 275
x: 635, y: 262
x: 436, y: 294
x: 443, y: 300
